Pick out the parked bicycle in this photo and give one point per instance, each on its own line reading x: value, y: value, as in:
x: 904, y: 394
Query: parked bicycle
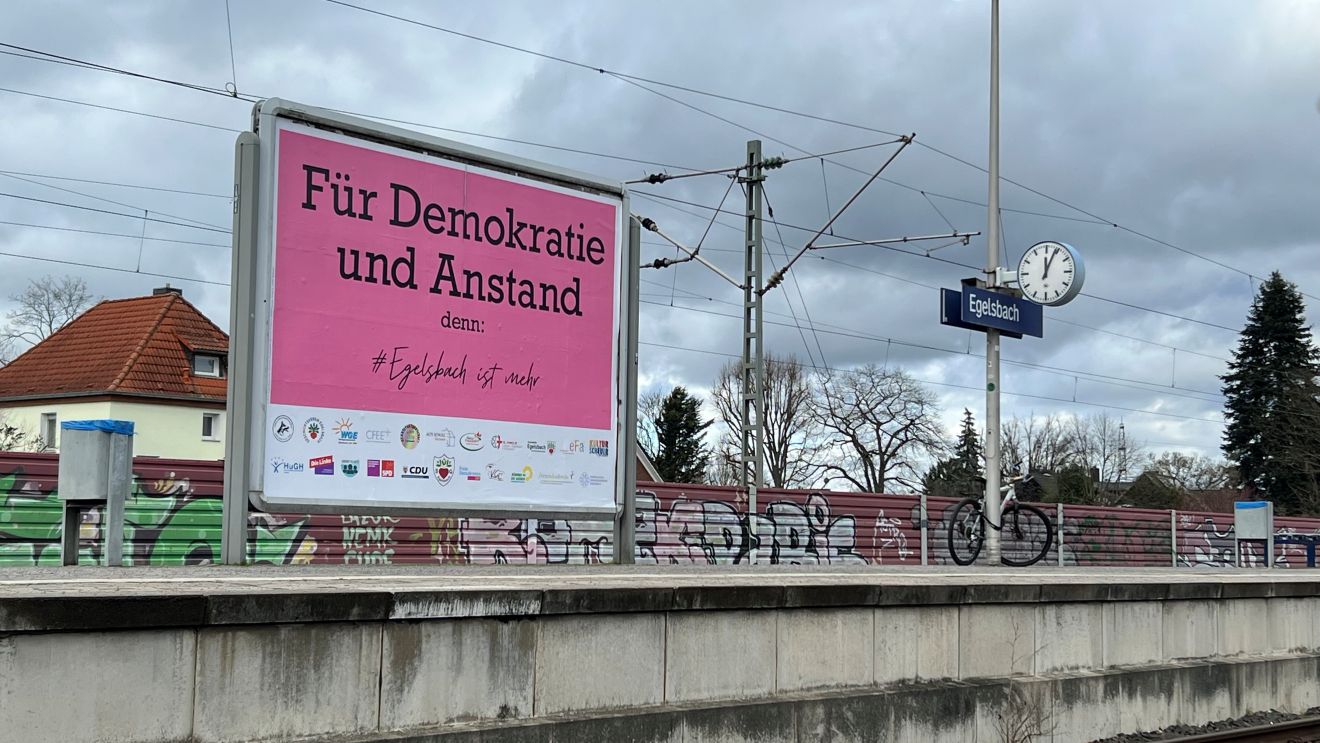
x: 1026, y: 533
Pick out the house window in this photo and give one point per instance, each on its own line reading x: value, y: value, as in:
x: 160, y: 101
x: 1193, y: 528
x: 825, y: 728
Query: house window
x: 205, y: 365
x: 49, y: 429
x: 210, y: 426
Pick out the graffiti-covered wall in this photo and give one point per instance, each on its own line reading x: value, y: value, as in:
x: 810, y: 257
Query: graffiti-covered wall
x: 173, y: 518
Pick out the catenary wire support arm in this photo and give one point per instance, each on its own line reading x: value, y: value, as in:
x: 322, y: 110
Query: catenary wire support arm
x: 778, y: 276
x: 963, y: 237
x: 769, y: 163
x: 649, y: 224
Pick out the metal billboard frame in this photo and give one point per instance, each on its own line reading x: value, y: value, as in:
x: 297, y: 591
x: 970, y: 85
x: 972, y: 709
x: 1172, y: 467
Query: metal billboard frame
x: 250, y: 313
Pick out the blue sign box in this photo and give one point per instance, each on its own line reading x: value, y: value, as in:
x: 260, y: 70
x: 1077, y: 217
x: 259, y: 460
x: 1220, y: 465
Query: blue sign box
x: 980, y: 309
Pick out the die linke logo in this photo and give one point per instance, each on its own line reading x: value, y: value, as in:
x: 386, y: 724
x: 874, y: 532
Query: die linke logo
x: 416, y: 472
x: 344, y: 429
x: 472, y: 441
x: 322, y: 465
x: 313, y: 430
x: 599, y: 447
x: 444, y: 469
x: 350, y: 467
x: 380, y: 468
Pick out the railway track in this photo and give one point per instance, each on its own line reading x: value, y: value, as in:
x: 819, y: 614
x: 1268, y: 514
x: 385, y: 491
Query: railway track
x: 1304, y: 730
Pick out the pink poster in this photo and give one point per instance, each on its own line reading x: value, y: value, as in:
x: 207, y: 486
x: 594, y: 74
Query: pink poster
x: 429, y: 288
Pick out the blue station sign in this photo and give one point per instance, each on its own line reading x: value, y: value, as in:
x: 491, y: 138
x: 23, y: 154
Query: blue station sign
x: 975, y: 308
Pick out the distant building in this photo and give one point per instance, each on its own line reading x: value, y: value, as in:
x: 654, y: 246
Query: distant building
x: 156, y: 361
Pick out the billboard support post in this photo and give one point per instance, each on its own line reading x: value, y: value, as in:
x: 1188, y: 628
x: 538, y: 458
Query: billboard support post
x: 625, y: 551
x: 234, y: 521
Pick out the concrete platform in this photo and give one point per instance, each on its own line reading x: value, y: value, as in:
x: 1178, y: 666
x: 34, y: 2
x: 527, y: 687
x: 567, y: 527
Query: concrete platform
x: 611, y: 653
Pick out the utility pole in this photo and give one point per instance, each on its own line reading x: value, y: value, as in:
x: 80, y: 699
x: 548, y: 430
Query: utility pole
x: 752, y: 384
x: 992, y: 469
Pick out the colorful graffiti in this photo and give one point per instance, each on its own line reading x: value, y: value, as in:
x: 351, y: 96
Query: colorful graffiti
x: 173, y: 518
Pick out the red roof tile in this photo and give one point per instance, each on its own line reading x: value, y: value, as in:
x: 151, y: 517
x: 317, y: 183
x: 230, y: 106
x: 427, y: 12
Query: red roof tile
x: 127, y: 346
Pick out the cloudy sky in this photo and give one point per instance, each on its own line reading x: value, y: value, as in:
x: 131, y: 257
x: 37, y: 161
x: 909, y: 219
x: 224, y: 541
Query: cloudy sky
x: 1192, y: 123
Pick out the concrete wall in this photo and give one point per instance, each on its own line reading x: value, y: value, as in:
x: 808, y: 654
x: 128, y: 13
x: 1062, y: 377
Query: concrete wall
x: 168, y: 431
x: 921, y: 664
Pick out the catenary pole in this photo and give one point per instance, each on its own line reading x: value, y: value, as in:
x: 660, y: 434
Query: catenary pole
x: 753, y: 390
x: 992, y: 468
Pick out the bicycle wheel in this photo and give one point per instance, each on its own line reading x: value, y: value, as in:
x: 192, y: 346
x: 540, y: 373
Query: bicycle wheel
x: 1026, y: 536
x: 966, y: 531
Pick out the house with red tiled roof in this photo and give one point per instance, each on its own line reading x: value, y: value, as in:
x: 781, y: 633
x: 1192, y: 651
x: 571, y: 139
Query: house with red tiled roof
x: 156, y: 361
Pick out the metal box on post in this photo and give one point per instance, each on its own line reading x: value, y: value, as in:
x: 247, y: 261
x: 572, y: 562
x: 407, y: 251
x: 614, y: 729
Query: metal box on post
x: 1253, y: 521
x: 96, y: 469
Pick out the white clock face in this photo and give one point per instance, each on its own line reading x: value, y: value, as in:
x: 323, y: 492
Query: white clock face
x: 1050, y: 273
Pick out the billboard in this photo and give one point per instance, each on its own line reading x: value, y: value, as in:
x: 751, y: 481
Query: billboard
x: 434, y: 326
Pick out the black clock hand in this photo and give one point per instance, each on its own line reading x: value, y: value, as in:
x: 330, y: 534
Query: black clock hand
x: 1048, y: 260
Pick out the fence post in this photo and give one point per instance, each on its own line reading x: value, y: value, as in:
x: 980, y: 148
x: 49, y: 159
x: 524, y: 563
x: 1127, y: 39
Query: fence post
x: 1058, y: 526
x: 923, y: 521
x: 1173, y: 537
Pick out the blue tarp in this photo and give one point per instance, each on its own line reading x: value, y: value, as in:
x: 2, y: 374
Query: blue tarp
x: 109, y: 426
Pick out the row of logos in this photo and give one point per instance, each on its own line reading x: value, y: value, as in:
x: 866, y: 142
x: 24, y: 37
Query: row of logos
x: 343, y: 432
x: 443, y: 470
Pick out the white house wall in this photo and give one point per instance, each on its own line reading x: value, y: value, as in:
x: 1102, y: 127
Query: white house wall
x: 169, y: 431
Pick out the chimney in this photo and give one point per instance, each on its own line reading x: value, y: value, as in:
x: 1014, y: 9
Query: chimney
x: 167, y: 289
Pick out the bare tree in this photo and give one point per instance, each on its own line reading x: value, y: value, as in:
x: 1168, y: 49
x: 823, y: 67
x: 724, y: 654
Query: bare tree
x: 648, y: 410
x: 1101, y: 447
x: 881, y: 425
x: 16, y: 438
x: 792, y: 436
x: 44, y: 307
x: 1190, y: 472
x: 1035, y: 444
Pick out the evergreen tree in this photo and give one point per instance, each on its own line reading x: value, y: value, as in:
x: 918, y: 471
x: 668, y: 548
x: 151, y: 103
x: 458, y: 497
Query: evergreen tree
x: 960, y: 475
x: 681, y: 453
x: 1272, y: 431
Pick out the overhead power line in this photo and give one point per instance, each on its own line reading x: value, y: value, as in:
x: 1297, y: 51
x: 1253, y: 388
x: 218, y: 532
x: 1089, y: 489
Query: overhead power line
x: 112, y: 268
x: 642, y: 82
x: 121, y: 110
x: 113, y: 234
x: 119, y: 184
x: 977, y: 269
x: 970, y: 387
x: 114, y: 213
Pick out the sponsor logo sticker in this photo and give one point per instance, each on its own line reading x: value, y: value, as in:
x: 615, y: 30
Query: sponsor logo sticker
x: 410, y: 436
x: 577, y: 447
x: 313, y: 430
x: 469, y: 474
x: 444, y: 469
x: 278, y: 465
x: 445, y: 437
x: 350, y: 467
x: 499, y: 442
x: 599, y: 447
x: 373, y: 468
x: 472, y: 441
x: 387, y: 468
x: 522, y: 475
x: 282, y: 428
x: 416, y: 472
x: 377, y: 436
x: 343, y: 428
x: 322, y: 465
x: 536, y: 447
x: 494, y: 473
